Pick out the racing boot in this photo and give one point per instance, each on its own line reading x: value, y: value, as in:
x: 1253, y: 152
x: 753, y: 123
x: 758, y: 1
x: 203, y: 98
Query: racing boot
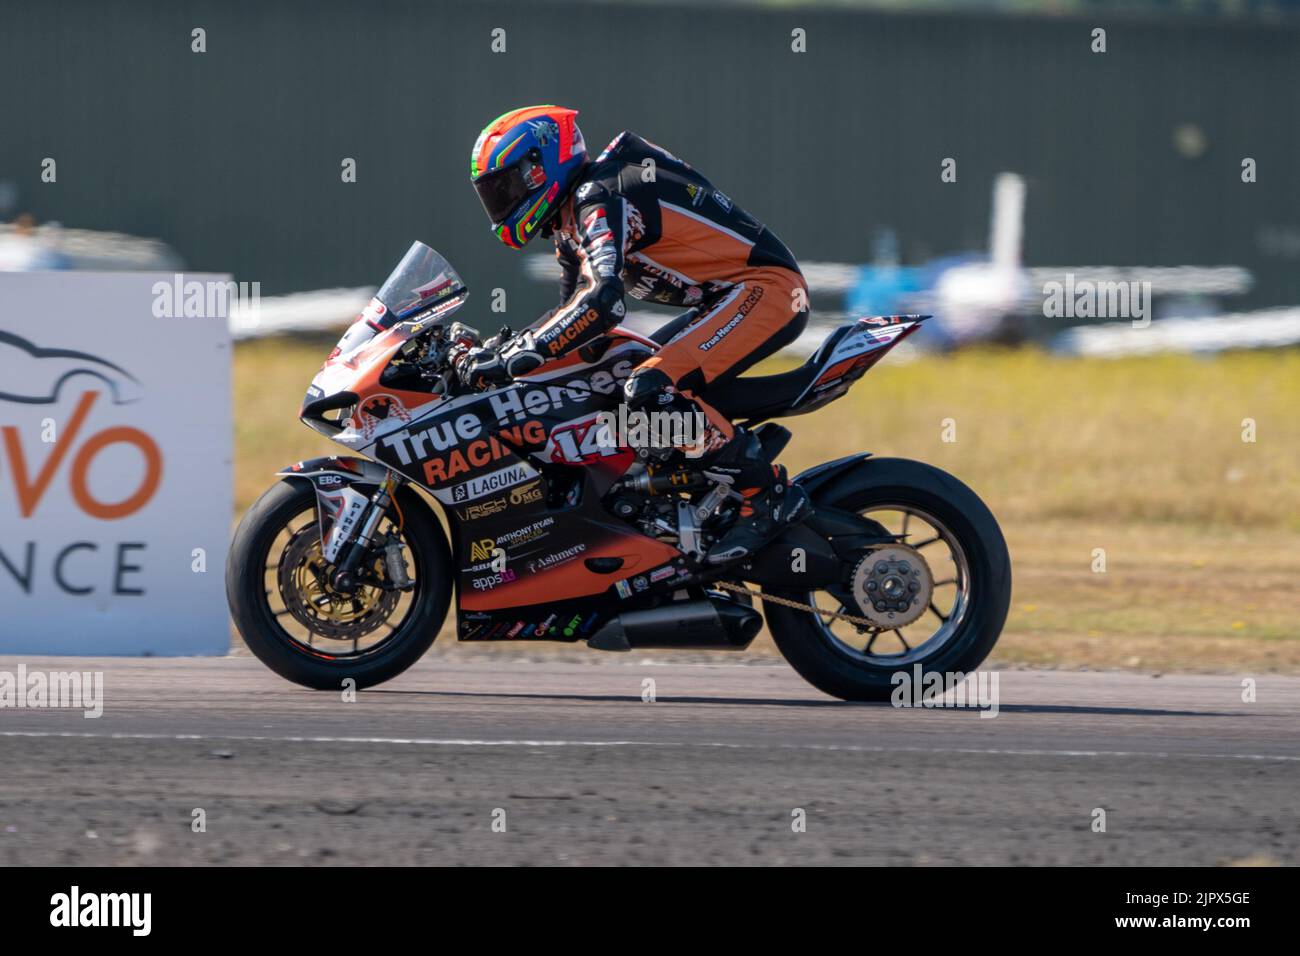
x: 769, y: 503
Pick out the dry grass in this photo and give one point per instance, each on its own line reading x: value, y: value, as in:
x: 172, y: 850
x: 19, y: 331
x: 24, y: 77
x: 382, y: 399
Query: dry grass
x: 1143, y: 458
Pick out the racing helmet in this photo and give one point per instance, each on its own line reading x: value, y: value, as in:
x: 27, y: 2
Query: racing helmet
x: 522, y: 167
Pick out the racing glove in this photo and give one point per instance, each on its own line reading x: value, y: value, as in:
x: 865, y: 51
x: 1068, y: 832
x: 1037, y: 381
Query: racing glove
x: 480, y: 367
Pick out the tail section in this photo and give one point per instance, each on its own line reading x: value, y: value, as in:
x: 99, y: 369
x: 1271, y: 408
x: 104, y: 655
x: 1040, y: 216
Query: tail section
x: 848, y: 352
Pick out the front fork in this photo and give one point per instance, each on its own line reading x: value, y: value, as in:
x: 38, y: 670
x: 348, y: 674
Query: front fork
x: 352, y: 548
x: 356, y: 494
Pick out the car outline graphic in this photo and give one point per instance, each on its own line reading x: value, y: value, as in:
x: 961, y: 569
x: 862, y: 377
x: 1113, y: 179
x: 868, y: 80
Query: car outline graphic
x: 63, y: 365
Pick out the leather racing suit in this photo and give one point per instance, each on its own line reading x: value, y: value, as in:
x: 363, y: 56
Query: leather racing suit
x: 639, y: 221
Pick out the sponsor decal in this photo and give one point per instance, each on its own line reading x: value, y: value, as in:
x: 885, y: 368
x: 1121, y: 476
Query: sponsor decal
x: 541, y: 629
x: 623, y: 588
x: 750, y: 301
x: 697, y: 193
x: 482, y: 550
x: 494, y: 481
x: 376, y: 409
x: 721, y: 334
x: 412, y: 446
x: 659, y: 574
x: 483, y: 510
x: 440, y: 286
x: 559, y: 557
x: 653, y: 282
x: 514, y: 631
x: 527, y: 495
x: 556, y: 342
x: 522, y: 535
x: 721, y: 199
x: 520, y: 403
x: 493, y: 580
x: 482, y: 452
x: 572, y: 627
x: 639, y: 583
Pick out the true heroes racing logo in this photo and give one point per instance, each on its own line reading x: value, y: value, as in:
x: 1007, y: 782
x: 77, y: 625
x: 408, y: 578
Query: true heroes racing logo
x: 449, y: 448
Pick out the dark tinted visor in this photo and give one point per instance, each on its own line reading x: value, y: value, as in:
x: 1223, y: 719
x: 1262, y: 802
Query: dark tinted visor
x: 501, y: 191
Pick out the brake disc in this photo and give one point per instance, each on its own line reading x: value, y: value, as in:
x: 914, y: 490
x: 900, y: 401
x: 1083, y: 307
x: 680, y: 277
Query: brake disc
x: 304, y: 586
x: 892, y: 586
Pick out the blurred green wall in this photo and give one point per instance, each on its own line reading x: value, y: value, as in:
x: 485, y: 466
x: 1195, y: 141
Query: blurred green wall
x: 233, y: 156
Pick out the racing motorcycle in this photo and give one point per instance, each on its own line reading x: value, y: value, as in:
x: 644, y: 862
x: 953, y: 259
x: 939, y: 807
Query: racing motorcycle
x: 557, y: 531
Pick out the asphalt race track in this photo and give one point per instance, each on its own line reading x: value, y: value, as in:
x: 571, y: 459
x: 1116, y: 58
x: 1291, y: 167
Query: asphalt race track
x: 581, y: 770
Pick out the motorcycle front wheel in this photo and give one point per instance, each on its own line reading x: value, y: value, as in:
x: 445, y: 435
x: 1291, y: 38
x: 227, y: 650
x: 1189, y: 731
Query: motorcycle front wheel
x: 277, y: 584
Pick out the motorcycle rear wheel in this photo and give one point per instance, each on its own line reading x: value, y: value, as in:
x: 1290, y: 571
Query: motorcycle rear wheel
x: 975, y: 591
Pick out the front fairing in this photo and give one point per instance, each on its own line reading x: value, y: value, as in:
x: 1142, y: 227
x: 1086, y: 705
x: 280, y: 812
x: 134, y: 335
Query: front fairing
x: 423, y: 291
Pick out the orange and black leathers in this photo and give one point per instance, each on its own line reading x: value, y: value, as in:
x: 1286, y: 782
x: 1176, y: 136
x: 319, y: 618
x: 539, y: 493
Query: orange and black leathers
x: 642, y: 222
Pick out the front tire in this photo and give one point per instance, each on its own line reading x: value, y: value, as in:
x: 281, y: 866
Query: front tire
x: 256, y: 573
x: 983, y: 568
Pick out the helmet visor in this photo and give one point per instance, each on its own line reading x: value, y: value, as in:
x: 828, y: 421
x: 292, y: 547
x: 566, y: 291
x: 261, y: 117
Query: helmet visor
x: 501, y: 191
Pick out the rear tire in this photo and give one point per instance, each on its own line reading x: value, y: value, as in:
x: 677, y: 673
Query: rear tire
x: 258, y: 624
x: 827, y: 665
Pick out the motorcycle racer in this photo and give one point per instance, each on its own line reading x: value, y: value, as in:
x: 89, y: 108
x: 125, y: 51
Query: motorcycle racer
x: 639, y: 221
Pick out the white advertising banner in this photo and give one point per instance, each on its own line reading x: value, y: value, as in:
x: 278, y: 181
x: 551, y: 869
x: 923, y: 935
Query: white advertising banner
x: 115, y: 463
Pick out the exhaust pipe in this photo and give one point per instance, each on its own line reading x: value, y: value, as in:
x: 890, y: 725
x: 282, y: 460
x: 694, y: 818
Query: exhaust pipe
x: 713, y: 624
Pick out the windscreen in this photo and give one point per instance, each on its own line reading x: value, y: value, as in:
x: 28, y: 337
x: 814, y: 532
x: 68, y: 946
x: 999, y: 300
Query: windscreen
x: 422, y: 282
